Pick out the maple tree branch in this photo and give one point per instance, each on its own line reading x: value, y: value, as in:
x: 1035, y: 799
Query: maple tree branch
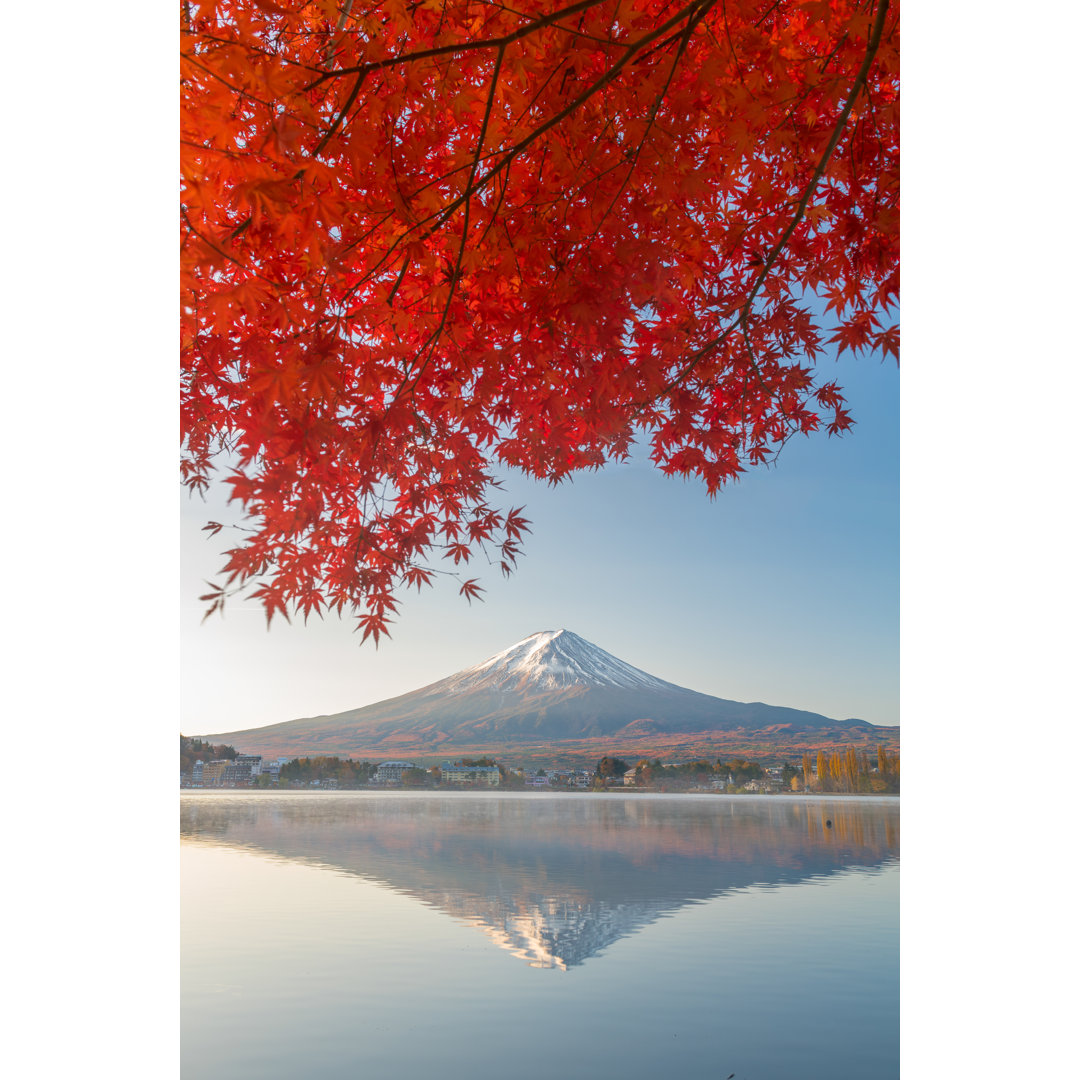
x: 744, y: 309
x: 608, y: 77
x: 237, y: 154
x: 838, y: 130
x: 460, y: 47
x: 345, y: 11
x: 828, y: 59
x: 540, y: 90
x: 691, y: 26
x: 775, y: 4
x: 660, y: 46
x: 391, y: 147
x: 493, y: 216
x: 252, y: 47
x: 341, y: 114
x: 734, y: 54
x: 400, y: 279
x: 209, y: 243
x: 334, y: 42
x: 506, y: 206
x: 225, y: 82
x: 429, y: 345
x: 440, y: 217
x: 443, y: 177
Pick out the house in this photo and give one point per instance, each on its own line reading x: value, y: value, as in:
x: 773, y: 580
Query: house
x: 576, y: 778
x: 213, y: 773
x: 237, y: 772
x: 389, y: 772
x: 457, y: 773
x: 252, y: 761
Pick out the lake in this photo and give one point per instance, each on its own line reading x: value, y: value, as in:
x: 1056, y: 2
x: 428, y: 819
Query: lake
x: 363, y: 934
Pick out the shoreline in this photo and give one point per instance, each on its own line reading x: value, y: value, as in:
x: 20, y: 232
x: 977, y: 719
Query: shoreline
x: 489, y: 791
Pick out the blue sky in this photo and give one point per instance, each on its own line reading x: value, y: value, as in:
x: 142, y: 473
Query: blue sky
x: 783, y: 589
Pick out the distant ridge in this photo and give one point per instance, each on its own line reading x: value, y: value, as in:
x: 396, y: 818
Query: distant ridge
x: 555, y: 694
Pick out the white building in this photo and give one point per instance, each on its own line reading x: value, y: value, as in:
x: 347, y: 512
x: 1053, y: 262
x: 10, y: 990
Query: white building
x: 273, y: 768
x: 389, y: 772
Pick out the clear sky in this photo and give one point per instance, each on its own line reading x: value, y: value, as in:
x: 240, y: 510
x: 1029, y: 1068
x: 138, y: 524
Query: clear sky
x: 782, y: 589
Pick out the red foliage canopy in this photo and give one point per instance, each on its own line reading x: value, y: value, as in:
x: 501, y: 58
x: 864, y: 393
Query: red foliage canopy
x: 424, y: 240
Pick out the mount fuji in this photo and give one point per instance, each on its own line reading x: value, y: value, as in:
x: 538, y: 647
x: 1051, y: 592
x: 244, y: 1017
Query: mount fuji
x: 552, y: 694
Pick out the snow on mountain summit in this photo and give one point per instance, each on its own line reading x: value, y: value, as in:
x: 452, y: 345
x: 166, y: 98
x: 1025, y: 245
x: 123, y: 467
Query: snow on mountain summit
x: 543, y: 696
x: 551, y: 660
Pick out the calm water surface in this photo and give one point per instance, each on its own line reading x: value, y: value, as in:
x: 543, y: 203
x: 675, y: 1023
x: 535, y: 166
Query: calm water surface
x: 472, y: 936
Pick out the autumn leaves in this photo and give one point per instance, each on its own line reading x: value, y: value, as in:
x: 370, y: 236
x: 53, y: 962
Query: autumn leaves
x: 423, y: 241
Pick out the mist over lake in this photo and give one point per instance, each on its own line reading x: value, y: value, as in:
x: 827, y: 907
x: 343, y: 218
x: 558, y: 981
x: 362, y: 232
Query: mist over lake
x: 461, y: 935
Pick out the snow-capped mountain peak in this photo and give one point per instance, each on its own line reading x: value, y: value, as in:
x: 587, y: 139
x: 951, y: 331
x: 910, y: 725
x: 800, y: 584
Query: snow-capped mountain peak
x: 550, y: 691
x: 550, y: 660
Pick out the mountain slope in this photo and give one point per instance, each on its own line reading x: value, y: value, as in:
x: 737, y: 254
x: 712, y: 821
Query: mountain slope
x: 551, y: 688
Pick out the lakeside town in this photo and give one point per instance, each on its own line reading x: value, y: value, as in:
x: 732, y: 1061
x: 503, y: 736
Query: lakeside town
x: 848, y: 771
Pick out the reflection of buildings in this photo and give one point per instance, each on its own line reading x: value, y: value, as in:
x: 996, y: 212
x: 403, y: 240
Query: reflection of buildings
x: 557, y: 879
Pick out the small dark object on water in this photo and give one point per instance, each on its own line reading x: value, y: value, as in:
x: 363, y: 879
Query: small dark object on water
x: 828, y: 824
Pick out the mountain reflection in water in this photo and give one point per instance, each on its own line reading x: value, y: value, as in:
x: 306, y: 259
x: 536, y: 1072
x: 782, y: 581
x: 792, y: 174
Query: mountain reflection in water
x: 555, y: 879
